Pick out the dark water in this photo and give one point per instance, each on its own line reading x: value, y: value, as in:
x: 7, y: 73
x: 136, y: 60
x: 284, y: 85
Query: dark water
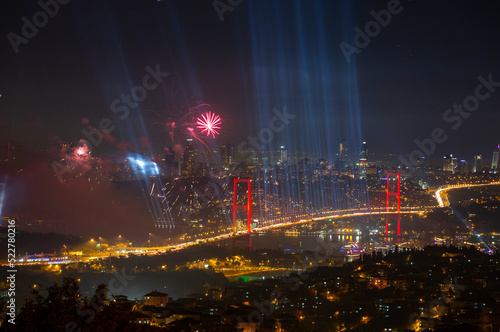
x: 303, y: 241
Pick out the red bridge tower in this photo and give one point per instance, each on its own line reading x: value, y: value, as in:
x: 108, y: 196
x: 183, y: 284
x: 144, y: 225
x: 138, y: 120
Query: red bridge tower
x: 244, y: 207
x: 390, y: 193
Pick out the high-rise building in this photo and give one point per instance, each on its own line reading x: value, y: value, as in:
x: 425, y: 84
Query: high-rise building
x: 343, y: 149
x: 230, y: 154
x: 341, y: 161
x: 283, y: 155
x: 169, y: 162
x: 494, y: 160
x: 364, y: 150
x: 478, y: 164
x: 449, y: 164
x: 463, y: 167
x: 223, y: 154
x: 363, y: 155
x: 189, y: 158
x: 226, y: 154
x: 177, y: 168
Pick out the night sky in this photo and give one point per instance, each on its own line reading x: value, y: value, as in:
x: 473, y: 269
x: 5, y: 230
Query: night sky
x: 264, y: 54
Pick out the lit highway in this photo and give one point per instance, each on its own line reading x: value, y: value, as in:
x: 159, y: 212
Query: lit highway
x: 179, y: 246
x: 442, y: 198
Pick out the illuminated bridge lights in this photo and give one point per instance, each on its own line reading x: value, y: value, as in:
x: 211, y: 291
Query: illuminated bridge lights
x: 175, y: 247
x: 442, y: 190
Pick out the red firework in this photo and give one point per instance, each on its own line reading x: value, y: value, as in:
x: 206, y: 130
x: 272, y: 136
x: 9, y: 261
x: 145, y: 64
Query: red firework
x: 80, y: 151
x: 208, y: 123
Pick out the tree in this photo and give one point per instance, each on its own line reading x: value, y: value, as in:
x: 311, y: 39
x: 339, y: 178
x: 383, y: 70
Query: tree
x: 64, y: 309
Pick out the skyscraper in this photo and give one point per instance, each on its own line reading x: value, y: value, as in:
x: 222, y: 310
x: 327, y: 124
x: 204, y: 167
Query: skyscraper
x: 463, y: 167
x: 478, y: 164
x: 223, y: 153
x: 343, y: 149
x: 363, y: 155
x: 169, y: 161
x: 283, y: 154
x: 341, y: 161
x: 364, y: 150
x: 449, y: 164
x: 189, y: 158
x: 226, y: 154
x: 494, y: 160
x: 230, y: 154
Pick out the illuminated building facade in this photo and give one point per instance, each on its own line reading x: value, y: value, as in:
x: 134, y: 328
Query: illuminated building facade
x: 494, y: 160
x: 189, y: 159
x: 478, y: 164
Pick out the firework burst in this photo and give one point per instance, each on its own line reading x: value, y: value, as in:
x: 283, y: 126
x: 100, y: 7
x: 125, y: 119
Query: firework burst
x: 209, y: 123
